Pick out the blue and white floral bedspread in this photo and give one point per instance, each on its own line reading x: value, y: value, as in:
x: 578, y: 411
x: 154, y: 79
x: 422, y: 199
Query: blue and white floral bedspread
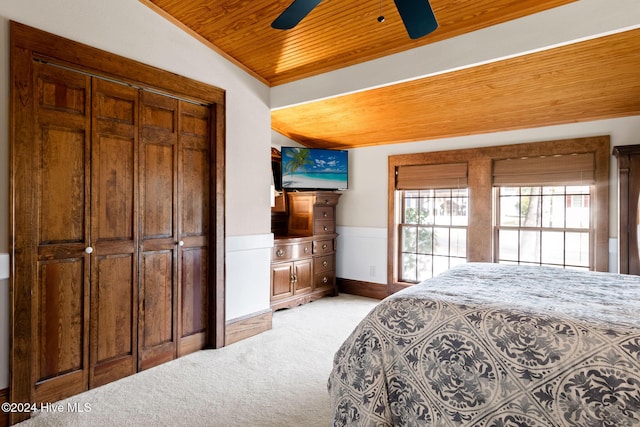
x: 496, y: 345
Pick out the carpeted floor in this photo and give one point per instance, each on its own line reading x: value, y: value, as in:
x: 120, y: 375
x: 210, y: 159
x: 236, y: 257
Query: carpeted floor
x: 275, y: 379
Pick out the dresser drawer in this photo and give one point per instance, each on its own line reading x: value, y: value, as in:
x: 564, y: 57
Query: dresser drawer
x: 326, y: 199
x: 324, y: 280
x: 323, y: 212
x: 324, y: 226
x: 323, y: 263
x: 323, y: 246
x: 285, y: 252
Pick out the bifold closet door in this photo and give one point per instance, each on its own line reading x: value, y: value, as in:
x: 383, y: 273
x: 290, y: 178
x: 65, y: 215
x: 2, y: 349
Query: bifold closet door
x: 61, y: 149
x: 122, y: 205
x: 175, y: 223
x: 157, y: 319
x: 85, y: 304
x: 194, y: 195
x: 114, y: 225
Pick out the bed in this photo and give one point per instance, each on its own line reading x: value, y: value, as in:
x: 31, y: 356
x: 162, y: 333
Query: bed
x: 495, y: 345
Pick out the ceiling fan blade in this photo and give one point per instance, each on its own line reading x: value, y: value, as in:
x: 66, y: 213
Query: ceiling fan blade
x: 417, y: 16
x: 294, y: 14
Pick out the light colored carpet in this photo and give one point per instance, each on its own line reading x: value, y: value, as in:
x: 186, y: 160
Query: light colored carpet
x: 274, y: 379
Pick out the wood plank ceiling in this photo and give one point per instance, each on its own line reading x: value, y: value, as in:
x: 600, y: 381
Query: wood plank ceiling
x: 336, y: 34
x: 563, y: 85
x: 590, y: 80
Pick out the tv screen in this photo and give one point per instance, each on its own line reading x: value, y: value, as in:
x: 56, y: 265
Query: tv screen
x: 314, y: 169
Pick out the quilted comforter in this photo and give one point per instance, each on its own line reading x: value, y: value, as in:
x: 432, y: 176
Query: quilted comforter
x: 496, y: 345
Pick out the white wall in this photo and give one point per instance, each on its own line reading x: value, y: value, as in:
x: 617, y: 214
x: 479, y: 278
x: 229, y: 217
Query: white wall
x: 130, y: 29
x: 362, y: 211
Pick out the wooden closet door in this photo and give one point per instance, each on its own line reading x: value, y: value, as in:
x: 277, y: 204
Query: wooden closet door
x: 61, y: 234
x: 157, y: 319
x: 114, y: 284
x: 194, y: 193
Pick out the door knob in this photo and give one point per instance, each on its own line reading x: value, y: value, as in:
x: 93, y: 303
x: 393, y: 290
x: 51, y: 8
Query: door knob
x: 181, y: 243
x: 88, y: 249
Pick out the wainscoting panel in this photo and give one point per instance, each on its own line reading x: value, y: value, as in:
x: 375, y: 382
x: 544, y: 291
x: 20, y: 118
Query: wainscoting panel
x: 248, y: 260
x: 362, y: 254
x: 4, y: 266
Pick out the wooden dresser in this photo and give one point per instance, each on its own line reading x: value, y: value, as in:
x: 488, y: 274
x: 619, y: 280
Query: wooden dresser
x: 303, y: 260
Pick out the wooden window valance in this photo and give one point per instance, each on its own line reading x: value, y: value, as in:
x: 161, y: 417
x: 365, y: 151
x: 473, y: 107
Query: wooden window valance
x: 569, y: 169
x: 416, y: 177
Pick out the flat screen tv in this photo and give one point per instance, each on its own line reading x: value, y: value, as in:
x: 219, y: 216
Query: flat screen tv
x: 314, y: 169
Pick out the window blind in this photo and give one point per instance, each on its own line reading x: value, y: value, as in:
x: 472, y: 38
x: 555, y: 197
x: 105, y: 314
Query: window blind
x: 573, y: 169
x: 417, y: 177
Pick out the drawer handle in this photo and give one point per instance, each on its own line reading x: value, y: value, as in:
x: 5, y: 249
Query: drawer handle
x: 324, y: 214
x: 279, y: 252
x: 306, y: 250
x: 325, y: 263
x: 324, y: 246
x: 294, y: 278
x: 326, y: 201
x: 325, y: 228
x: 325, y: 279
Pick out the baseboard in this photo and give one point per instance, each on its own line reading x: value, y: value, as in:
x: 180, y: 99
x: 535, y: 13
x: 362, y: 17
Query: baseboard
x: 247, y: 326
x: 4, y: 416
x: 363, y: 289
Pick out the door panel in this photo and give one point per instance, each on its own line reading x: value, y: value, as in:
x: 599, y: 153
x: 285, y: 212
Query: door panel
x: 159, y: 175
x: 114, y: 289
x: 303, y: 276
x: 194, y: 219
x: 60, y: 310
x: 193, y: 300
x: 62, y: 211
x: 157, y: 320
x: 157, y: 323
x: 282, y: 280
x: 61, y: 301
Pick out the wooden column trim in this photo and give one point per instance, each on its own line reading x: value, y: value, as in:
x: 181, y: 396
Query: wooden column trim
x: 480, y: 230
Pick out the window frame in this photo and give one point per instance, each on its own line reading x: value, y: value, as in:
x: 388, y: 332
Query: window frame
x: 542, y: 228
x: 480, y: 160
x: 402, y: 199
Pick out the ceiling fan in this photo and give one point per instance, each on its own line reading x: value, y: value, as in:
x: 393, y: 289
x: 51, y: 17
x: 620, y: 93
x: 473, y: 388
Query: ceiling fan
x: 417, y: 16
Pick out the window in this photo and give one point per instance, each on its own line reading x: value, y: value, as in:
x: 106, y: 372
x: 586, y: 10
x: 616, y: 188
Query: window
x: 433, y: 232
x: 546, y: 225
x: 544, y: 203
